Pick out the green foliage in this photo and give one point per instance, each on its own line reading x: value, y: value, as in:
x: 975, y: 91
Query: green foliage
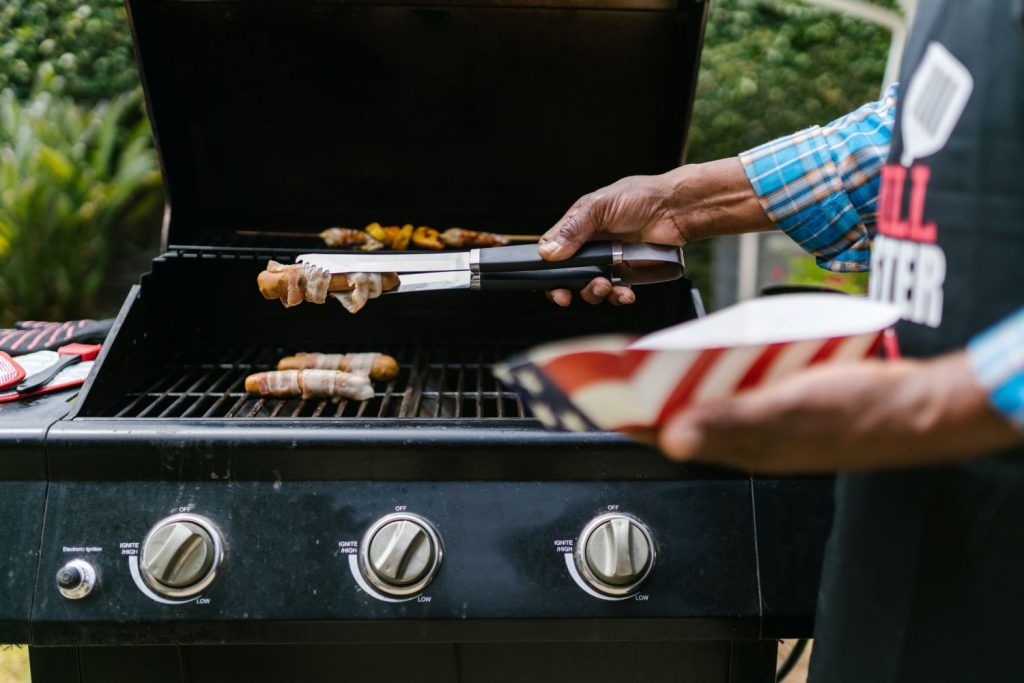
x: 73, y: 179
x: 772, y: 67
x: 85, y: 44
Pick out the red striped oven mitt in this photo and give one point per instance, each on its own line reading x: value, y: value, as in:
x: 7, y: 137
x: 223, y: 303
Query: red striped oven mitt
x: 28, y: 336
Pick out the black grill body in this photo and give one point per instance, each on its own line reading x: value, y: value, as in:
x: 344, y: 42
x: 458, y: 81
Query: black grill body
x: 23, y: 428
x: 294, y: 116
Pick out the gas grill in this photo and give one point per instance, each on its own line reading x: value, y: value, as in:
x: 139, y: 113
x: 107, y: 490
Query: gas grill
x: 434, y: 531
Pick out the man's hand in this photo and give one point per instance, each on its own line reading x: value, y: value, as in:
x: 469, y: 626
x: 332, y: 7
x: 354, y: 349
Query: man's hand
x: 688, y: 203
x: 869, y: 415
x: 638, y: 208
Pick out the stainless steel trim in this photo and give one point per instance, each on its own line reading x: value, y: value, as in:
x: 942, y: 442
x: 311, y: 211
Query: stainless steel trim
x: 658, y: 253
x: 616, y: 253
x: 211, y: 574
x: 88, y: 580
x: 474, y: 260
x: 433, y: 281
x: 580, y: 550
x: 389, y: 263
x: 367, y: 569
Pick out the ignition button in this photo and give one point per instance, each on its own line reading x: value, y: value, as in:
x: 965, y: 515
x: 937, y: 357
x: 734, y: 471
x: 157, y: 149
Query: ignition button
x: 76, y: 579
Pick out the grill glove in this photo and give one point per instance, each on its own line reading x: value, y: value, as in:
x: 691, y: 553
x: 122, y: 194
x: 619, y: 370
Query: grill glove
x: 31, y: 335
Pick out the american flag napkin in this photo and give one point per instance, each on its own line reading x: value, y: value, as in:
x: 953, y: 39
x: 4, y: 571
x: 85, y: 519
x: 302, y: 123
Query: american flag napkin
x: 619, y: 383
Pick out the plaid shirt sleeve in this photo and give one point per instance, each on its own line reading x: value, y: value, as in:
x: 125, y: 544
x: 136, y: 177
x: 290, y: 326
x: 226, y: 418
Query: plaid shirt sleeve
x: 820, y: 185
x: 997, y: 357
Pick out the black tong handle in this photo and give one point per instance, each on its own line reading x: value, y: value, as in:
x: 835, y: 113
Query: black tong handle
x: 525, y: 257
x: 540, y: 280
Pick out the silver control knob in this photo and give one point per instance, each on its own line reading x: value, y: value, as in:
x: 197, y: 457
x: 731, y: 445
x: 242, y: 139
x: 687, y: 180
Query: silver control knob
x: 180, y: 555
x: 615, y: 553
x: 76, y: 579
x: 400, y: 554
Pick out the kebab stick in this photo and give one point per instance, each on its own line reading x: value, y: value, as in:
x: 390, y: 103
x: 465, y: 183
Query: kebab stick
x: 316, y: 235
x: 272, y: 233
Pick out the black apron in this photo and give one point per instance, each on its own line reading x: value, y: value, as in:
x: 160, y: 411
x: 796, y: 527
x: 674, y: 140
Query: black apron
x: 924, y: 571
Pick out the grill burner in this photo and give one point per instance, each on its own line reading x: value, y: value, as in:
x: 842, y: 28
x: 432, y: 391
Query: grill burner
x: 433, y: 382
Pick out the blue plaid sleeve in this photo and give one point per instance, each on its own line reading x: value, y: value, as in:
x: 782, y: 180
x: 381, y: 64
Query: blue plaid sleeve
x: 997, y: 357
x: 820, y: 185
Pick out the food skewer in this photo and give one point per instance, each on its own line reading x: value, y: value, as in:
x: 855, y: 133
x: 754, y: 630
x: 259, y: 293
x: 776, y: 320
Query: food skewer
x: 398, y: 238
x: 272, y: 233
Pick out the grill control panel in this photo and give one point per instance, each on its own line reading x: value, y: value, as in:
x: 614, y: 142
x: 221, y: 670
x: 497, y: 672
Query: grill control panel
x: 251, y: 560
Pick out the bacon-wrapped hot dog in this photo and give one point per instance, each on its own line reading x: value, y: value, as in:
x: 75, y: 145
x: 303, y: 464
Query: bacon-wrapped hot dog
x: 377, y: 366
x: 310, y: 384
x: 364, y: 286
x: 303, y: 282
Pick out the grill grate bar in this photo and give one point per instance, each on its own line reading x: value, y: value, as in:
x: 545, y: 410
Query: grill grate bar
x: 434, y: 383
x: 342, y: 404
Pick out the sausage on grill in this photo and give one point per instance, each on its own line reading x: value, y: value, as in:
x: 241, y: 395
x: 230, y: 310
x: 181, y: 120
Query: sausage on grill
x: 377, y: 366
x: 311, y: 383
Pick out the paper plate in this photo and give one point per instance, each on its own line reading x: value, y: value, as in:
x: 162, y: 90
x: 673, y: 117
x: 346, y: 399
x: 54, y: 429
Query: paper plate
x: 624, y: 384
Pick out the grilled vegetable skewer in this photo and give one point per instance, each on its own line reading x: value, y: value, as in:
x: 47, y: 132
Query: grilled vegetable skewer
x: 376, y: 236
x: 348, y: 237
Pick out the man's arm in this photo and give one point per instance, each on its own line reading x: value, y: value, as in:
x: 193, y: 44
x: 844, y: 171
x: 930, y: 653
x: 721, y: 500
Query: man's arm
x: 819, y: 185
x: 871, y: 415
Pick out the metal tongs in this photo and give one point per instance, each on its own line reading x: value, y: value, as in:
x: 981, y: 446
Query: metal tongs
x: 518, y: 267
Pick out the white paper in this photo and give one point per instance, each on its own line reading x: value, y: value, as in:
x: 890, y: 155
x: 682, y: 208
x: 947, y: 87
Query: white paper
x: 776, y: 320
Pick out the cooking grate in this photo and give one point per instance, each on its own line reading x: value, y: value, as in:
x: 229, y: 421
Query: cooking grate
x: 451, y: 382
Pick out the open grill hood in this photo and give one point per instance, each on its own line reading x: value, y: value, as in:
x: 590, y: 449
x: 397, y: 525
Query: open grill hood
x: 493, y: 114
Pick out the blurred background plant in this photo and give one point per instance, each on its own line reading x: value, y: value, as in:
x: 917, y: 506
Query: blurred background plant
x: 73, y: 179
x: 79, y: 179
x: 86, y: 45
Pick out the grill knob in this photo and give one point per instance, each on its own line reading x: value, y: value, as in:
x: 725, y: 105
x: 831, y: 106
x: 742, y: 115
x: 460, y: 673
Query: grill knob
x: 400, y: 554
x: 180, y: 555
x: 615, y: 553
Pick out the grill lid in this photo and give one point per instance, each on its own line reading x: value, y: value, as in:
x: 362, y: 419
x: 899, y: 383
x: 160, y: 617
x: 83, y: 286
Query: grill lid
x: 493, y: 114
